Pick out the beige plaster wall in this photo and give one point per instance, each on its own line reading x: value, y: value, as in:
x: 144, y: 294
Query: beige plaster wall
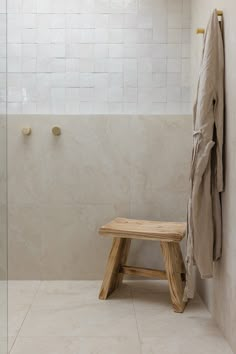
x: 61, y: 189
x: 220, y: 293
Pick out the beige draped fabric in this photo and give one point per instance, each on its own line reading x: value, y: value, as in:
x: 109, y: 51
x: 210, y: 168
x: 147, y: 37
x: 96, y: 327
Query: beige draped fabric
x: 204, y: 228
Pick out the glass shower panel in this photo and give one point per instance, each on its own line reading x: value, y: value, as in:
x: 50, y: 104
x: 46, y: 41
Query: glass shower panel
x: 3, y: 179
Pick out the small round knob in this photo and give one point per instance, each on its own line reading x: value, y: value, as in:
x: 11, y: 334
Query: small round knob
x: 26, y: 131
x: 56, y: 131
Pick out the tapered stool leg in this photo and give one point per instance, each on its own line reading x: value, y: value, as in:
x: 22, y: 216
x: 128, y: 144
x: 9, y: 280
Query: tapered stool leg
x: 174, y: 269
x: 118, y: 256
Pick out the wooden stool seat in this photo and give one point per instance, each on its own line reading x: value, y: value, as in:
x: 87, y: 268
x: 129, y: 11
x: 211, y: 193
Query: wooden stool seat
x: 169, y: 234
x: 144, y: 230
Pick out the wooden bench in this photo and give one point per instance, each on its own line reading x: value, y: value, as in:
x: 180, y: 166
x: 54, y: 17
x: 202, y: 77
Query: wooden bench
x: 169, y: 234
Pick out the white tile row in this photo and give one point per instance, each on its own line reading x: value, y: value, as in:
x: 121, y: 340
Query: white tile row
x: 119, y: 21
x: 98, y: 51
x: 94, y: 36
x: 115, y: 93
x: 76, y: 107
x: 145, y: 7
x: 102, y: 65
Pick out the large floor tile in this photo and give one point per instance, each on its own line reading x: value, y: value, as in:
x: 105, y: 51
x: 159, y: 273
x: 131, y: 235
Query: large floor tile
x: 56, y: 313
x: 16, y: 316
x: 23, y: 285
x: 159, y: 303
x: 90, y: 320
x: 77, y: 346
x: 155, y: 316
x: 70, y: 287
x: 153, y: 325
x: 185, y: 345
x: 76, y: 294
x: 22, y: 292
x: 11, y: 341
x: 20, y: 298
x: 66, y: 317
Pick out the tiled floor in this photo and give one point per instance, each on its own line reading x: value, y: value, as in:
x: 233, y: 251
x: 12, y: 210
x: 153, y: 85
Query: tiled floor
x: 67, y: 318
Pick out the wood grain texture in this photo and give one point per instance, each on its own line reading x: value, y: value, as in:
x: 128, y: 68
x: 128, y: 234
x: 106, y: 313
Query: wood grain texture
x: 174, y: 269
x: 123, y: 258
x: 144, y: 230
x: 113, y: 278
x: 144, y: 272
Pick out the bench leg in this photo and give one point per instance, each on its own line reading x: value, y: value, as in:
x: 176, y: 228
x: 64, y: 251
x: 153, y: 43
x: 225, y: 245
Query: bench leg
x: 175, y: 269
x: 118, y: 256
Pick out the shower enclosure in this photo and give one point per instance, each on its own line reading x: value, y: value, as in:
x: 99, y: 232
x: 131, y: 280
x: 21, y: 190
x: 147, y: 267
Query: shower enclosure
x: 96, y: 123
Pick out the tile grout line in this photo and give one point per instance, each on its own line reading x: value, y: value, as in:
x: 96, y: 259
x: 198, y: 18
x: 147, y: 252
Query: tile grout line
x: 136, y: 320
x: 30, y: 306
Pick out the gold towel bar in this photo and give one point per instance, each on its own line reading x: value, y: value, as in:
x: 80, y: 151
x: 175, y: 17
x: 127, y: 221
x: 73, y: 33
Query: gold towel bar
x: 202, y: 30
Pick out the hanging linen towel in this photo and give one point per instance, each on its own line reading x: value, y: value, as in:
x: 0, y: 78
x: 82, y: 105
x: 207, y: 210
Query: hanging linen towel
x: 204, y: 226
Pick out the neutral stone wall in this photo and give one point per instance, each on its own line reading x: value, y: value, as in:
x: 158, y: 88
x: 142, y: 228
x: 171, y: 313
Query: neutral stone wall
x: 61, y: 189
x: 3, y: 201
x: 220, y: 293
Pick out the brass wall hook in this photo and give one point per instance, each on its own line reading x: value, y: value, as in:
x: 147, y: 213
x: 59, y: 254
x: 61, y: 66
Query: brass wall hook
x: 56, y: 131
x: 200, y: 30
x: 26, y: 131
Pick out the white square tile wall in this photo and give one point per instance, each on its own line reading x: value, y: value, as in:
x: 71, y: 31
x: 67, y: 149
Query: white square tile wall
x: 99, y: 56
